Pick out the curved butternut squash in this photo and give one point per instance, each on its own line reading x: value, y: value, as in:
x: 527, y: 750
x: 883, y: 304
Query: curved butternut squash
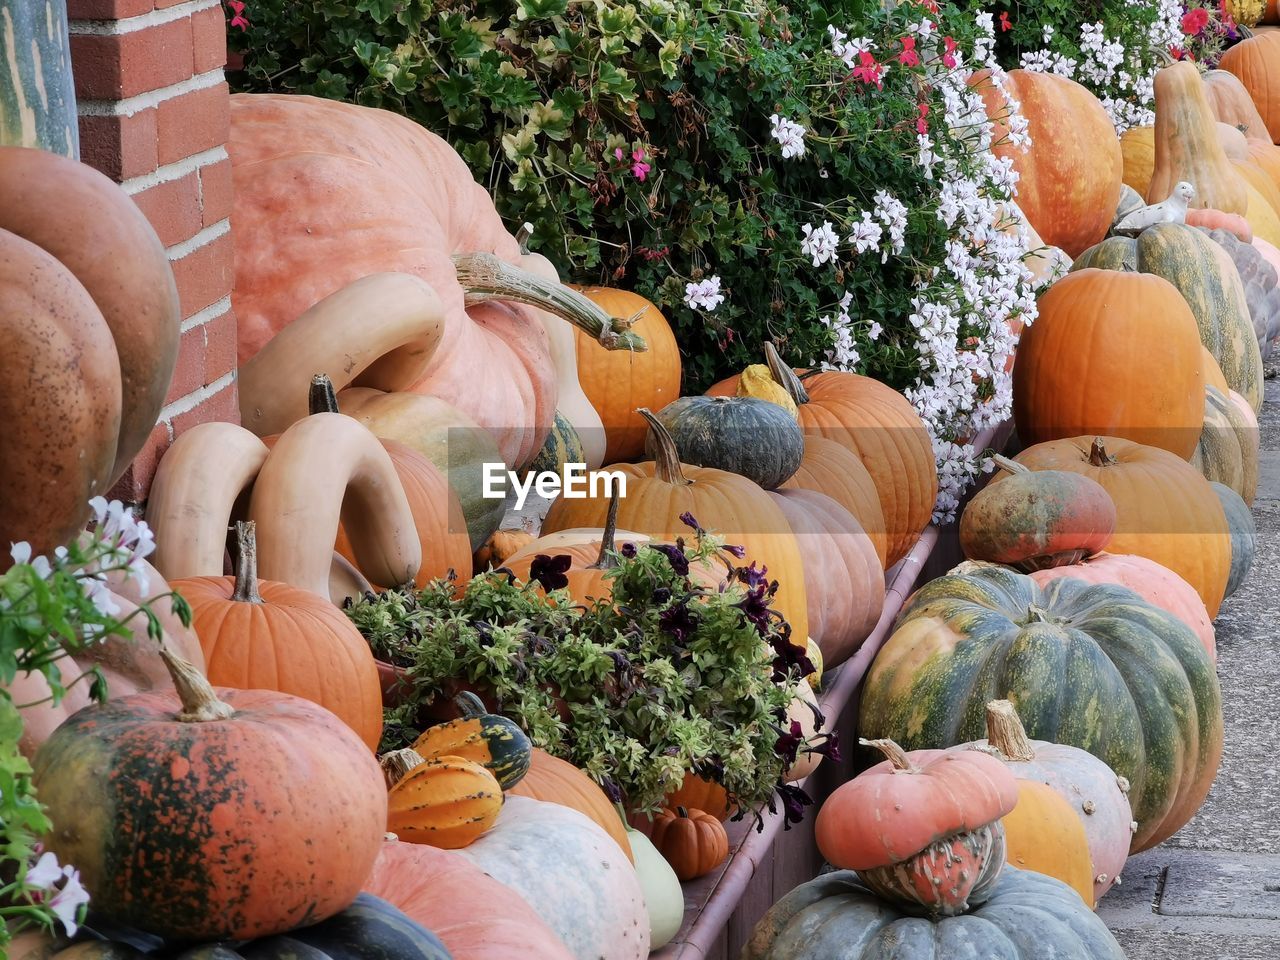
x: 1232, y: 104
x: 380, y: 331
x: 571, y: 401
x: 346, y: 581
x: 326, y: 469
x: 444, y: 435
x: 1186, y: 144
x: 195, y: 489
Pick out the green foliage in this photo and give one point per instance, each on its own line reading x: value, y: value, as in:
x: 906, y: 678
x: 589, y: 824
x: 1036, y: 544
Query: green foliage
x: 669, y: 677
x: 550, y: 102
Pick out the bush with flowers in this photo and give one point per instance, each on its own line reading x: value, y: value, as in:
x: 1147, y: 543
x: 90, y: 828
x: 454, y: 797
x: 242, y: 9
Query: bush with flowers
x: 815, y: 174
x: 52, y: 609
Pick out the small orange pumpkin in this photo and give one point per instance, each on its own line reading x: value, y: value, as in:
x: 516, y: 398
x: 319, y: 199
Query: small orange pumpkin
x: 693, y: 842
x: 446, y: 802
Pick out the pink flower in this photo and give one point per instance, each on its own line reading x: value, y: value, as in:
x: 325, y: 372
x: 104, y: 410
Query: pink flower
x: 238, y: 18
x: 868, y: 70
x: 922, y: 125
x: 1005, y: 24
x: 1194, y: 21
x: 617, y: 152
x: 949, y: 56
x: 908, y: 57
x: 638, y: 167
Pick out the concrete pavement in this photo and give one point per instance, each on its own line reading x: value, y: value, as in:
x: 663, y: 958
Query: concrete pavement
x: 1212, y: 892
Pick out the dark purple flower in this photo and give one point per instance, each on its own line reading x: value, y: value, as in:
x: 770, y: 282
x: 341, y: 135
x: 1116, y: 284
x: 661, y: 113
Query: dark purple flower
x: 550, y: 571
x: 829, y: 747
x: 794, y: 800
x: 687, y: 519
x: 738, y: 551
x: 679, y: 621
x: 789, y: 660
x: 755, y: 607
x: 675, y: 556
x: 661, y: 595
x: 752, y: 576
x: 611, y: 790
x: 628, y: 550
x: 788, y: 745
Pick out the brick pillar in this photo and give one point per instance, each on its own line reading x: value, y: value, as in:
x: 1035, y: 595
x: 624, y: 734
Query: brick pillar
x: 154, y: 116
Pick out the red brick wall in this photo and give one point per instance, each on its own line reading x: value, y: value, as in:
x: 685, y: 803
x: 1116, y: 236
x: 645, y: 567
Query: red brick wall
x: 154, y: 116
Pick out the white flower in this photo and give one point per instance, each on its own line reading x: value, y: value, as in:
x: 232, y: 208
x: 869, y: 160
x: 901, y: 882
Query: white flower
x: 20, y: 552
x: 46, y: 871
x: 820, y: 243
x: 790, y: 134
x: 875, y: 331
x: 848, y: 49
x: 705, y: 294
x: 66, y: 903
x: 891, y: 212
x: 866, y: 234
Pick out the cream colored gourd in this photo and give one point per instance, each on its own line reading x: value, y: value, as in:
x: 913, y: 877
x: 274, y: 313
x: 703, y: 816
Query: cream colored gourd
x: 380, y: 331
x: 194, y: 493
x: 323, y: 470
x: 663, y: 896
x: 571, y: 400
x: 802, y: 711
x: 345, y: 581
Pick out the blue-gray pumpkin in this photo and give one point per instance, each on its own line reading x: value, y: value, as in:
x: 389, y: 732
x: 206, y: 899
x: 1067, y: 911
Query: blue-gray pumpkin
x: 1028, y: 917
x: 753, y: 438
x: 1244, y: 535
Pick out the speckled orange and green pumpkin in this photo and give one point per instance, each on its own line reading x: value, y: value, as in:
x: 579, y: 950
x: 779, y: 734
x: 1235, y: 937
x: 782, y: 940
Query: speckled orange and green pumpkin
x: 210, y: 818
x: 1095, y: 667
x: 489, y: 739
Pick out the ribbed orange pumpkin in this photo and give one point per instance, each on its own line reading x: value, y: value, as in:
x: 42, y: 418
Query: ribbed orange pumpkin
x: 843, y: 579
x: 1138, y: 149
x: 557, y: 781
x: 618, y: 382
x: 661, y: 491
x: 1256, y: 62
x: 833, y: 469
x: 261, y: 635
x: 693, y: 842
x: 1165, y: 510
x: 226, y: 814
x: 1069, y: 178
x: 881, y: 427
x: 701, y: 794
x: 446, y: 802
x: 1084, y: 366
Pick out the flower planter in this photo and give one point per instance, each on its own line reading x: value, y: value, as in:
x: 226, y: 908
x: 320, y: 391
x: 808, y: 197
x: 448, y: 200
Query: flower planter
x: 722, y: 908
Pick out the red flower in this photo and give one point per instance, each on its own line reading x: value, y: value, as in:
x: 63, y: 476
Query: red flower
x: 949, y: 56
x: 930, y: 5
x: 1194, y: 21
x: 868, y: 70
x: 908, y: 57
x: 922, y: 125
x: 238, y: 18
x: 1005, y: 25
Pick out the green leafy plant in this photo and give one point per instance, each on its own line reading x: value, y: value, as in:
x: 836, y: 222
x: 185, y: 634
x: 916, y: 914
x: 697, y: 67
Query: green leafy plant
x: 52, y: 609
x: 666, y: 678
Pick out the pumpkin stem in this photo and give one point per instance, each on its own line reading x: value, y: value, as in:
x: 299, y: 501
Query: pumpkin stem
x: 666, y: 460
x: 605, y: 560
x: 1098, y: 456
x: 321, y: 397
x: 892, y: 752
x: 485, y: 277
x: 1006, y: 733
x: 469, y: 705
x: 246, y: 589
x: 522, y: 237
x: 1010, y: 466
x: 682, y: 813
x: 199, y: 702
x: 783, y: 375
x: 397, y: 764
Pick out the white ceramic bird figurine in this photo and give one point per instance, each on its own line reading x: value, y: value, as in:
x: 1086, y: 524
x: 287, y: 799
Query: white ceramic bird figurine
x: 1171, y: 210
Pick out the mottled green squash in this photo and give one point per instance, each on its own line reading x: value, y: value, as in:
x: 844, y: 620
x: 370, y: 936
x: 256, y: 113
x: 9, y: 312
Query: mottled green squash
x: 1094, y: 667
x: 1207, y: 280
x: 491, y: 740
x: 39, y: 110
x: 1228, y: 449
x: 748, y: 436
x: 563, y: 445
x: 1244, y: 535
x: 1028, y: 917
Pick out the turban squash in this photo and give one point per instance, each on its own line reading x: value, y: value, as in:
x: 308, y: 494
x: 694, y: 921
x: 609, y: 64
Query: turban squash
x: 89, y: 316
x: 1094, y: 667
x: 328, y: 192
x: 187, y: 821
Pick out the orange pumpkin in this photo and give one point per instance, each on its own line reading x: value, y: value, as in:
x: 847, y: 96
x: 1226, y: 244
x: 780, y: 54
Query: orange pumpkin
x: 494, y: 552
x: 1187, y: 146
x: 881, y: 427
x: 1254, y: 61
x: 693, y: 842
x: 702, y: 794
x: 1084, y: 366
x: 663, y: 490
x: 261, y: 635
x: 618, y: 382
x: 1138, y: 150
x: 243, y: 813
x: 1069, y: 178
x: 558, y: 781
x: 833, y: 469
x: 343, y: 170
x: 1042, y: 833
x: 1211, y: 219
x: 1232, y: 104
x: 1165, y: 510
